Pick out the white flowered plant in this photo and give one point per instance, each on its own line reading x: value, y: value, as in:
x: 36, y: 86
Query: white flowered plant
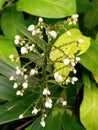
x: 25, y: 75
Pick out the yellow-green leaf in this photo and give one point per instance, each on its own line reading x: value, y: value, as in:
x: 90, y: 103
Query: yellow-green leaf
x: 89, y: 108
x: 68, y: 45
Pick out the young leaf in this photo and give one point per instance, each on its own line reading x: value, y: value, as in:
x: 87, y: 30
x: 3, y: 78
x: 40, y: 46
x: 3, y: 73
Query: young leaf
x: 67, y: 46
x: 7, y: 48
x: 89, y: 108
x: 47, y: 8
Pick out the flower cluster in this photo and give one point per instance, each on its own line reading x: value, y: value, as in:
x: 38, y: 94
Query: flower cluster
x: 22, y: 73
x: 70, y: 64
x: 73, y: 19
x: 38, y: 29
x: 25, y: 73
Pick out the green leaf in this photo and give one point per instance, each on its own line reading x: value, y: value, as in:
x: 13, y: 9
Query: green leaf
x: 6, y: 90
x: 91, y: 22
x: 58, y: 118
x: 6, y: 68
x: 96, y: 78
x: 7, y: 48
x: 47, y: 8
x: 66, y: 45
x: 10, y: 17
x: 86, y: 78
x: 10, y: 111
x: 2, y: 3
x: 83, y: 5
x: 70, y: 123
x: 89, y: 108
x: 89, y: 58
x: 35, y: 39
x: 55, y: 117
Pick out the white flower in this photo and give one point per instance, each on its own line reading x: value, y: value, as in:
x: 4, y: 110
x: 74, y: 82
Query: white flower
x: 67, y: 80
x: 75, y: 16
x: 15, y: 85
x: 43, y: 123
x: 53, y: 34
x: 73, y: 64
x: 64, y: 103
x: 12, y: 78
x: 24, y: 50
x: 11, y: 57
x: 31, y: 27
x: 25, y: 85
x: 75, y: 71
x: 25, y: 76
x: 48, y: 103
x: 40, y: 19
x: 68, y: 33
x: 66, y: 61
x: 57, y: 76
x: 33, y: 71
x: 17, y: 39
x: 18, y: 71
x: 46, y: 92
x: 18, y: 92
x: 77, y: 58
x: 21, y: 116
x: 35, y: 111
x: 38, y: 31
x: 33, y: 32
x: 80, y: 40
x: 32, y: 47
x: 74, y: 79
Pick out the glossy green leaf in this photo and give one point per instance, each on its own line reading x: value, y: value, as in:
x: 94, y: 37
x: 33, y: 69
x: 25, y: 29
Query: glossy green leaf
x: 10, y: 111
x: 7, y: 48
x: 66, y: 45
x: 10, y: 17
x: 2, y: 3
x: 89, y: 108
x: 6, y: 90
x: 91, y: 19
x: 47, y: 8
x: 89, y: 58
